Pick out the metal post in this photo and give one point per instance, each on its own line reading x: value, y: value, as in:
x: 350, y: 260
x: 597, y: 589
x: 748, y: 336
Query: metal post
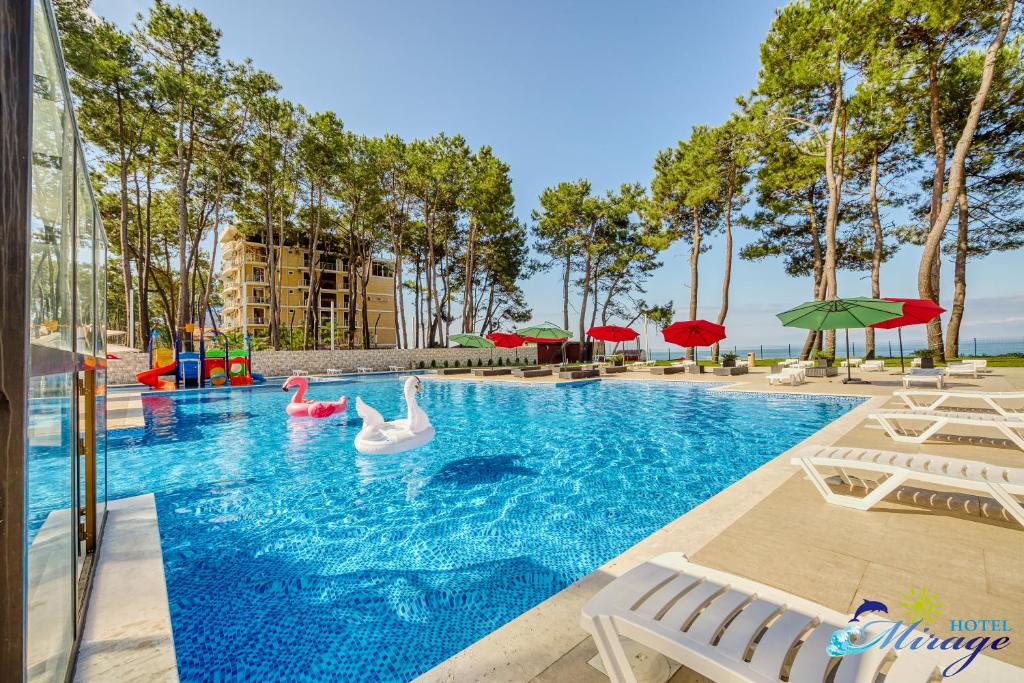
x: 975, y: 346
x: 789, y: 350
x: 15, y: 246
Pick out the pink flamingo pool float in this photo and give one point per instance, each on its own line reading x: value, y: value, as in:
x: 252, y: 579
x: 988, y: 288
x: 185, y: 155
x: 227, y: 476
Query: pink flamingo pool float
x: 300, y: 406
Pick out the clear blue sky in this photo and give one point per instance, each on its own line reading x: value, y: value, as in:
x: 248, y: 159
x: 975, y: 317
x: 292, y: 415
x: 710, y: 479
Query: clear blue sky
x: 562, y: 90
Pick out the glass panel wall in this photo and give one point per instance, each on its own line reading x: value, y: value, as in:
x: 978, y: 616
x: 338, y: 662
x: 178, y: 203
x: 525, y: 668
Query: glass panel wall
x: 68, y: 353
x: 51, y: 525
x: 100, y: 261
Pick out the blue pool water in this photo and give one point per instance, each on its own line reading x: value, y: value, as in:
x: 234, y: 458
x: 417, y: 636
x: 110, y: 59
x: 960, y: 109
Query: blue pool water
x: 290, y: 557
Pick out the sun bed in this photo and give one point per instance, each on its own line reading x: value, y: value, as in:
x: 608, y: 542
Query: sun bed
x: 335, y: 371
x: 924, y: 376
x: 642, y: 365
x: 1002, y: 483
x: 452, y: 371
x: 531, y: 372
x: 992, y: 399
x: 685, y: 363
x: 980, y: 363
x: 395, y: 368
x: 852, y: 362
x: 873, y: 366
x: 613, y: 369
x: 969, y: 369
x: 729, y: 628
x: 578, y: 374
x: 938, y: 420
x: 668, y: 369
x: 791, y: 376
x: 491, y: 372
x: 789, y: 361
x: 805, y: 364
x: 364, y: 368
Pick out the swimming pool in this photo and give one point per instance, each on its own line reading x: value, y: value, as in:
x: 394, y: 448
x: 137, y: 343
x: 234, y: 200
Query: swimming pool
x: 291, y: 557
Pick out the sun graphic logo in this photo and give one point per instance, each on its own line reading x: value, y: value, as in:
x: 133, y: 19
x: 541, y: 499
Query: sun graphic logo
x: 920, y: 604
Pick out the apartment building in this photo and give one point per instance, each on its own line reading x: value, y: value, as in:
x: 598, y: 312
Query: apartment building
x: 245, y: 277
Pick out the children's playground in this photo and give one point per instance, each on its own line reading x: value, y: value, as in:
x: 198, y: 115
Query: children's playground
x: 195, y: 364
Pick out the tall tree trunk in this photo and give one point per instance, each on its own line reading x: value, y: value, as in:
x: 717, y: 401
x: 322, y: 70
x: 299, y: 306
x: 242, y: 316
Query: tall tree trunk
x: 926, y: 274
x: 834, y: 182
x: 566, y: 275
x: 416, y: 306
x: 468, y: 322
x: 182, y: 317
x: 364, y: 295
x: 694, y: 272
x: 876, y: 252
x: 587, y: 266
x: 312, y: 310
x: 956, y: 315
x: 812, y: 341
x: 727, y: 273
x: 400, y: 320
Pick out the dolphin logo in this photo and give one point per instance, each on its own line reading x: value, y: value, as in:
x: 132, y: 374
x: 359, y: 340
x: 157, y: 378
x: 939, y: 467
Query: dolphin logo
x: 869, y: 606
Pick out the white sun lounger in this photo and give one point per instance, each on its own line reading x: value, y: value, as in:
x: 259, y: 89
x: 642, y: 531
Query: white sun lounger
x: 924, y: 376
x: 789, y: 361
x: 852, y: 362
x: 1010, y: 427
x: 873, y: 366
x: 992, y: 399
x: 980, y: 363
x: 364, y: 369
x: 962, y: 369
x: 729, y: 629
x: 1002, y: 483
x: 792, y: 376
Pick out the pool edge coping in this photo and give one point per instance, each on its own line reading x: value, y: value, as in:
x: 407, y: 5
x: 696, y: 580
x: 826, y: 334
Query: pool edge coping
x: 526, y: 646
x: 127, y: 633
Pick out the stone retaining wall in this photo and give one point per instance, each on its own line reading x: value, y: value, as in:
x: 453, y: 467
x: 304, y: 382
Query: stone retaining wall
x: 279, y: 363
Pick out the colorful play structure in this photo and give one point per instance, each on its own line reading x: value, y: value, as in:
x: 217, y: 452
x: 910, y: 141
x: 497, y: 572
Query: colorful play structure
x: 197, y: 369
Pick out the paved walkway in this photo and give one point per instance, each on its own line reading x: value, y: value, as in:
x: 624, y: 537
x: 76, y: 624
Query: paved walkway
x: 773, y: 526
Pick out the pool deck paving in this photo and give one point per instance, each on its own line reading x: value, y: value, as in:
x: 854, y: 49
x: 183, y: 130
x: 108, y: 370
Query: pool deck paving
x: 773, y: 526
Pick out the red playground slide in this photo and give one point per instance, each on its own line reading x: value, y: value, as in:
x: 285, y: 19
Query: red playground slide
x: 152, y: 377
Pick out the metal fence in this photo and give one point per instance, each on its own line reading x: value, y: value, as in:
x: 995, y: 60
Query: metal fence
x: 969, y: 346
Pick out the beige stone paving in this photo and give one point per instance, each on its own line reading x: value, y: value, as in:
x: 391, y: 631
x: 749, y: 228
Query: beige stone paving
x: 773, y: 526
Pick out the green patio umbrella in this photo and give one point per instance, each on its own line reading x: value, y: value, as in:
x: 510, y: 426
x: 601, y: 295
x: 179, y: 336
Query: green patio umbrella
x: 545, y: 332
x: 472, y: 341
x: 836, y: 314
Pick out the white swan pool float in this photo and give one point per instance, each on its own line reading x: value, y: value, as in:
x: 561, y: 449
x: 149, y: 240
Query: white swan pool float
x: 381, y: 437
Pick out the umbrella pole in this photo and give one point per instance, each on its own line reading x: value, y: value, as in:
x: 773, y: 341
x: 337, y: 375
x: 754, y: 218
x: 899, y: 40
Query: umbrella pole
x: 899, y: 333
x: 849, y: 377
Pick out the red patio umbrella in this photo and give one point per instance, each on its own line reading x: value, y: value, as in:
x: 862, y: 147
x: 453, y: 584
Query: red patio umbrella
x: 613, y: 333
x: 505, y: 340
x: 689, y: 333
x: 915, y: 312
